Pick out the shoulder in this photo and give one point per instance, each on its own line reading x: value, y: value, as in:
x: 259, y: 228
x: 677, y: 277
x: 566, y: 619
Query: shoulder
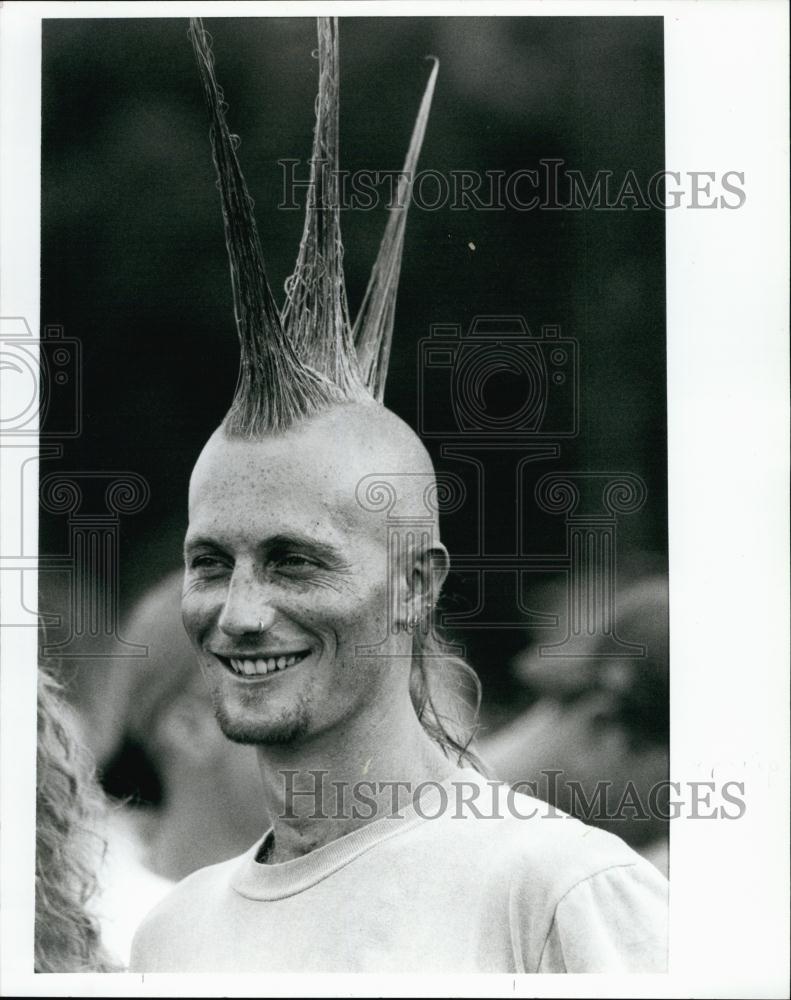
x: 613, y: 921
x: 577, y: 896
x: 529, y: 834
x: 170, y: 920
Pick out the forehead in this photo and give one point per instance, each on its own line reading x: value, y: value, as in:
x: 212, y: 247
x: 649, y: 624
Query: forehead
x: 242, y: 489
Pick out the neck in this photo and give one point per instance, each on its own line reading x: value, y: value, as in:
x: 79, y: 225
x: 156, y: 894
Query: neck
x: 335, y: 783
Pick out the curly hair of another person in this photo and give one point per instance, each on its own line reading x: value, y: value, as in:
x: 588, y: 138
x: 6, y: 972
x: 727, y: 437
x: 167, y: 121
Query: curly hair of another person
x: 68, y: 805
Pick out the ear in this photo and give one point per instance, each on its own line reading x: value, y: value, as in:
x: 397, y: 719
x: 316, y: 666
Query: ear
x: 428, y: 572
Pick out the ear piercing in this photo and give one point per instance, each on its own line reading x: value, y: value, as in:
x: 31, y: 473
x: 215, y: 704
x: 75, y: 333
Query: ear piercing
x: 413, y: 621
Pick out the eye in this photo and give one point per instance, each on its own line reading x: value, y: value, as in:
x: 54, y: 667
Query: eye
x: 295, y: 561
x: 207, y: 563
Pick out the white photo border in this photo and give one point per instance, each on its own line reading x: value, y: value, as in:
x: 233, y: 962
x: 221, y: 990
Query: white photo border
x: 726, y: 70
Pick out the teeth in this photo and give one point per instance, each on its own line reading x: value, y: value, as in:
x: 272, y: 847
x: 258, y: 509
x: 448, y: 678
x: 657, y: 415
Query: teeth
x: 265, y: 666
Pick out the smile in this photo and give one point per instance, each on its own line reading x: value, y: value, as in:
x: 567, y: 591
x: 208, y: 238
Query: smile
x: 261, y: 666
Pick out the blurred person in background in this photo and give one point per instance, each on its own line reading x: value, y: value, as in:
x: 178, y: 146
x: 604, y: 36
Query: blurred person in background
x: 189, y: 796
x: 181, y: 795
x: 69, y: 808
x: 74, y: 648
x: 209, y: 806
x: 597, y: 719
x: 95, y: 685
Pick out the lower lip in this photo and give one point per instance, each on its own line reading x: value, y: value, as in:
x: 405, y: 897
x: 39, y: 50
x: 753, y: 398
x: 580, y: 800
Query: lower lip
x: 260, y: 678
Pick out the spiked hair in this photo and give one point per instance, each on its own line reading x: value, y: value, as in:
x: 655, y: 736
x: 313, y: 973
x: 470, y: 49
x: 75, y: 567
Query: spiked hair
x: 307, y: 356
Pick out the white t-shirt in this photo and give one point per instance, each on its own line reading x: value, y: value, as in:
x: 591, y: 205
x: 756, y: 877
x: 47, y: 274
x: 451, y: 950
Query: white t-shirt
x: 500, y: 884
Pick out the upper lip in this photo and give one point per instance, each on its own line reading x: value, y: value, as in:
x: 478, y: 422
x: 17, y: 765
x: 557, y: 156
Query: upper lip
x: 258, y: 654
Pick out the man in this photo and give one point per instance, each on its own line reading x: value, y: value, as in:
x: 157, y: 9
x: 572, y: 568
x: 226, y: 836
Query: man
x: 312, y: 621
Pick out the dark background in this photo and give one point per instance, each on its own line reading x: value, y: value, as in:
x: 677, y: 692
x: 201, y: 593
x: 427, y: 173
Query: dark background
x: 134, y: 266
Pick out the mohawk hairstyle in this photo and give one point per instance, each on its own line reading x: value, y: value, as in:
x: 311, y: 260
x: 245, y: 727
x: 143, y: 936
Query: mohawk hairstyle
x: 308, y: 356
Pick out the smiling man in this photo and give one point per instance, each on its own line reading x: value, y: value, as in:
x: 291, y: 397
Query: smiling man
x: 287, y: 576
x: 312, y: 622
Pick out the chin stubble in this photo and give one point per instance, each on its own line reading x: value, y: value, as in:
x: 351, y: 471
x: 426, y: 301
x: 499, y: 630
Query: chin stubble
x: 289, y: 728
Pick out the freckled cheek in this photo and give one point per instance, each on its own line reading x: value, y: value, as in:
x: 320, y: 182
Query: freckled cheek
x: 363, y: 617
x: 200, y: 609
x: 319, y: 618
x: 343, y: 619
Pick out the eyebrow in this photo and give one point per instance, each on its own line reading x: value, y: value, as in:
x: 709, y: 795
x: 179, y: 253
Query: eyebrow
x: 285, y: 540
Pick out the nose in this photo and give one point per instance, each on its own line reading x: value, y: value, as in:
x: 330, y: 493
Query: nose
x: 247, y: 608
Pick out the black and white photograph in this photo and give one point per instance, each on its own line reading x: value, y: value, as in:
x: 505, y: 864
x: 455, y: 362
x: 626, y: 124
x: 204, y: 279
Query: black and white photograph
x: 395, y: 481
